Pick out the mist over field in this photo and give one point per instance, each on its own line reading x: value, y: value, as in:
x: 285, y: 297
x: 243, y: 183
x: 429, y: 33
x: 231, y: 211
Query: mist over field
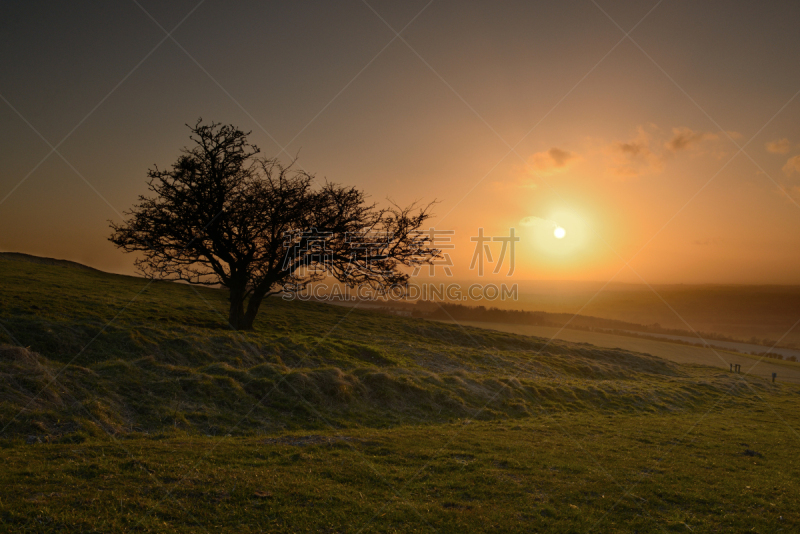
x: 742, y: 312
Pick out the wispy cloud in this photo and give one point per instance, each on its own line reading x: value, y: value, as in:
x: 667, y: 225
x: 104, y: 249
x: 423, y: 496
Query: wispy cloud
x: 633, y: 158
x: 792, y: 166
x: 686, y: 138
x: 552, y: 161
x: 537, y: 221
x: 708, y: 241
x: 648, y: 151
x: 779, y: 146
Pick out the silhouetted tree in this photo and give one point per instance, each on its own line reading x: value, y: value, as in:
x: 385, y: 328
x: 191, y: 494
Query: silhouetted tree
x: 222, y: 215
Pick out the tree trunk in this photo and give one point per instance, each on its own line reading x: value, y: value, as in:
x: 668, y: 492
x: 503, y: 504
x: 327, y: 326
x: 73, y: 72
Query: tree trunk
x: 236, y: 316
x: 252, y: 310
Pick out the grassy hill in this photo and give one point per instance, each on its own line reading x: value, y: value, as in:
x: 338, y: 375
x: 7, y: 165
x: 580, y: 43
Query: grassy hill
x: 118, y: 397
x: 134, y: 355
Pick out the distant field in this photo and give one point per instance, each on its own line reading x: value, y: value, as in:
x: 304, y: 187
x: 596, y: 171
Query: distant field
x: 740, y: 311
x: 686, y: 354
x: 735, y: 346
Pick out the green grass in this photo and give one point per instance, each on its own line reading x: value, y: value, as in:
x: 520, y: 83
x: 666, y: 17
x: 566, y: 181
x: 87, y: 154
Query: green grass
x: 556, y: 473
x: 325, y: 419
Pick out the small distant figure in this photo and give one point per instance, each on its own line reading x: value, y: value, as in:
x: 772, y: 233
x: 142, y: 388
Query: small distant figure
x: 774, y: 375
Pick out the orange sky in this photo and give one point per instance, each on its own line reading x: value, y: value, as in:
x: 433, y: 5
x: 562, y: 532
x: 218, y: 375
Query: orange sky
x: 512, y: 114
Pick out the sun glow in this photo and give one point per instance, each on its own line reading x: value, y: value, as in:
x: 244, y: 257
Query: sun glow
x: 558, y: 238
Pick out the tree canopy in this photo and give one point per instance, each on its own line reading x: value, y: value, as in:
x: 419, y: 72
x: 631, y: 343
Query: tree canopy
x: 223, y: 215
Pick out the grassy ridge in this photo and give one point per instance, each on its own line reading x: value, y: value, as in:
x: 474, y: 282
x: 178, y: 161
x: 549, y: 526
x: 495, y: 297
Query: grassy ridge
x: 131, y: 355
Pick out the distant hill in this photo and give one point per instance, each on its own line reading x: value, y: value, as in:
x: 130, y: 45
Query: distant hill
x: 19, y: 256
x: 761, y: 314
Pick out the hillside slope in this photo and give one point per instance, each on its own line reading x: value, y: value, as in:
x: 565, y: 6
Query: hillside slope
x: 128, y: 406
x: 91, y: 352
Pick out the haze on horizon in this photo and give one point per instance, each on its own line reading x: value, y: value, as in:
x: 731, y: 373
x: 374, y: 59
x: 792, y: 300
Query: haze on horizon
x: 669, y: 156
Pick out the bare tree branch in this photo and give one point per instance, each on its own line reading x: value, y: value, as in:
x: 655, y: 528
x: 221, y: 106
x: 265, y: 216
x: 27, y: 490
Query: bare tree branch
x: 222, y: 215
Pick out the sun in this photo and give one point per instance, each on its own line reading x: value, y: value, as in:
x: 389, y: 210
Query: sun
x: 559, y: 232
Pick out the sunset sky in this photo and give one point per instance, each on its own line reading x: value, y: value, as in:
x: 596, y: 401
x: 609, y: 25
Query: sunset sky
x: 675, y: 149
